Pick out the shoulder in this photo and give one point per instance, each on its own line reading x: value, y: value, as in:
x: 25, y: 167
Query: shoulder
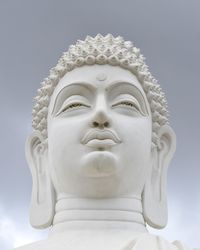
x: 39, y: 245
x: 153, y: 242
x: 141, y: 242
x: 181, y: 246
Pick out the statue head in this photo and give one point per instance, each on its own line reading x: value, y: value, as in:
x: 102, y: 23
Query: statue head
x: 100, y: 130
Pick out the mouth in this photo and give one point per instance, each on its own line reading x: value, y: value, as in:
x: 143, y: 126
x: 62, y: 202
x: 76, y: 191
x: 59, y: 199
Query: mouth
x: 101, y: 139
x: 101, y: 144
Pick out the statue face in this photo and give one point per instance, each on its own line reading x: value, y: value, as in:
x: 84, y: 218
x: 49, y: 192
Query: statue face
x: 99, y: 133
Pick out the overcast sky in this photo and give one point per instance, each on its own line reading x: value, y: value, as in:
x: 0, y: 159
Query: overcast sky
x: 33, y: 35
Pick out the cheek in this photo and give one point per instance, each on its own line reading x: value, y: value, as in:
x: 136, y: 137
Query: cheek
x: 135, y: 153
x: 136, y: 134
x: 65, y: 135
x: 64, y: 131
x: 64, y: 150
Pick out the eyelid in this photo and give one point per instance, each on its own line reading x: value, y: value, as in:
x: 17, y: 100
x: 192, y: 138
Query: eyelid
x: 128, y: 98
x: 73, y: 100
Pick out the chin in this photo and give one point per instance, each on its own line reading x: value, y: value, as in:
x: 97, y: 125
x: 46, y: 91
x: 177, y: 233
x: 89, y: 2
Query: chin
x: 99, y: 164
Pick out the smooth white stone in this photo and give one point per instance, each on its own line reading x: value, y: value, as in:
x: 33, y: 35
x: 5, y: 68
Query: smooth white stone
x: 100, y: 152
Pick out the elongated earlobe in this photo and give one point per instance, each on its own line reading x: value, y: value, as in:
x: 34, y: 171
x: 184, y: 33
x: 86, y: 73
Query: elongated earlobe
x: 43, y: 197
x: 154, y: 195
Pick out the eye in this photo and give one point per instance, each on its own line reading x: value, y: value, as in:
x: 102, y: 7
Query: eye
x: 74, y: 106
x: 128, y: 104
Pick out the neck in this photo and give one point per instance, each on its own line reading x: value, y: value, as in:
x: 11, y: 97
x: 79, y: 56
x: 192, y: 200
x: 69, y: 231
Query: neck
x: 124, y: 213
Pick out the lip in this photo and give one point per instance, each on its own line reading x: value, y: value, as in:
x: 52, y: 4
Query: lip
x: 100, y: 139
x: 96, y: 143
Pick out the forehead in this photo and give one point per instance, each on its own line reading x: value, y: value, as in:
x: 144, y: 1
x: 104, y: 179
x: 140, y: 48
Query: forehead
x: 97, y: 73
x: 99, y: 76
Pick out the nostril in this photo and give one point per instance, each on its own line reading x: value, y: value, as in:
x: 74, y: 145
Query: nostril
x: 95, y: 124
x: 106, y: 124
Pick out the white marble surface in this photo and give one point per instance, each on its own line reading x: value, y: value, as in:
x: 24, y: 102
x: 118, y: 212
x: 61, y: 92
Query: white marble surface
x: 99, y: 157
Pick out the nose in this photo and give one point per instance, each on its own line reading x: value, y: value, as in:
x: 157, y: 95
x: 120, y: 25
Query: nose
x: 101, y: 118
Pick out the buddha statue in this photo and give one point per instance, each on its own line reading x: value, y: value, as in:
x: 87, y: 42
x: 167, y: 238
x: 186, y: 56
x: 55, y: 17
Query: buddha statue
x: 100, y: 151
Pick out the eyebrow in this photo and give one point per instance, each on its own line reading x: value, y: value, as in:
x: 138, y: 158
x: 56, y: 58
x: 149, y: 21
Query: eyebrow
x: 119, y: 82
x: 91, y: 86
x: 79, y: 83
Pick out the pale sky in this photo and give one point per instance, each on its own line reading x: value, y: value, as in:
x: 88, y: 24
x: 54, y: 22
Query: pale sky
x: 33, y: 36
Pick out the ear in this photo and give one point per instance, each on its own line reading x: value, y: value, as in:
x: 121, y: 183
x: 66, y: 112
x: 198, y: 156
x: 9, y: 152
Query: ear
x: 154, y: 194
x: 43, y: 197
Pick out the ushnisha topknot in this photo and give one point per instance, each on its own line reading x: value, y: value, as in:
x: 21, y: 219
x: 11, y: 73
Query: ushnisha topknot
x: 102, y: 50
